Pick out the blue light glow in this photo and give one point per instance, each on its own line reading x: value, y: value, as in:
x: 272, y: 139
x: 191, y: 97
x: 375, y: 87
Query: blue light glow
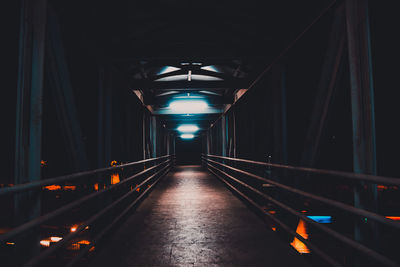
x: 321, y: 219
x: 187, y: 136
x: 168, y: 69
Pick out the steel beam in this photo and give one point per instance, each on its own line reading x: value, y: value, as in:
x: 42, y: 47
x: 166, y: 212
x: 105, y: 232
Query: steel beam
x: 29, y: 115
x: 362, y: 103
x: 279, y: 147
x: 326, y: 88
x: 187, y: 85
x: 61, y: 89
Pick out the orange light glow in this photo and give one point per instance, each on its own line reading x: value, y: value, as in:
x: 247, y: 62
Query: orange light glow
x: 272, y: 212
x: 74, y: 246
x: 91, y: 249
x: 77, y: 246
x: 84, y: 242
x: 45, y: 243
x: 55, y: 238
x: 96, y: 187
x: 297, y: 244
x: 73, y: 228
x: 10, y: 243
x: 273, y: 229
x: 53, y: 187
x: 382, y: 187
x: 303, y: 211
x: 115, y: 178
x: 137, y: 189
x: 43, y: 163
x: 395, y: 218
x: 70, y: 187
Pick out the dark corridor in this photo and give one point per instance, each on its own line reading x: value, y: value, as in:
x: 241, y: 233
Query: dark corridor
x: 188, y: 152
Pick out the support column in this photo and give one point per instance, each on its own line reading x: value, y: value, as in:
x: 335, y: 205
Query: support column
x: 144, y: 134
x: 153, y: 122
x: 279, y: 153
x: 362, y: 103
x: 223, y: 135
x: 29, y: 115
x: 234, y: 133
x: 326, y: 88
x: 104, y: 117
x: 62, y: 92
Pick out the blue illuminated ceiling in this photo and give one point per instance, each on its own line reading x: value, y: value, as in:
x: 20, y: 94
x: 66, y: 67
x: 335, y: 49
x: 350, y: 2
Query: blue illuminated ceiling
x: 195, y: 82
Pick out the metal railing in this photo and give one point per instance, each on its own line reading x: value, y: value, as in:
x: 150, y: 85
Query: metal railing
x: 144, y: 176
x: 227, y: 173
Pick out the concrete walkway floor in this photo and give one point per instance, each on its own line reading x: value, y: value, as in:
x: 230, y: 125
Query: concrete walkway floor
x: 192, y: 219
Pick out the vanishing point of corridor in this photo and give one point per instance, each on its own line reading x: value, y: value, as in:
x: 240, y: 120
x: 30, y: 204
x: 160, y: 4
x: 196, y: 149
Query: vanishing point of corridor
x: 191, y: 219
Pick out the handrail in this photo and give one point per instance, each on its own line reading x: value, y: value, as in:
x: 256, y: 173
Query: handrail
x: 337, y: 204
x: 283, y: 225
x: 108, y: 228
x: 91, y: 220
x: 217, y: 166
x: 70, y: 177
x: 342, y: 174
x: 160, y: 169
x: 44, y: 218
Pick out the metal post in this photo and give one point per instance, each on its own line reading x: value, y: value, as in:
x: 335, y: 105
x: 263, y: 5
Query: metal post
x: 362, y: 102
x: 326, y: 88
x: 234, y: 134
x: 144, y: 134
x: 279, y: 154
x: 100, y: 121
x: 108, y: 114
x: 223, y: 135
x: 61, y: 89
x: 154, y: 136
x: 29, y: 115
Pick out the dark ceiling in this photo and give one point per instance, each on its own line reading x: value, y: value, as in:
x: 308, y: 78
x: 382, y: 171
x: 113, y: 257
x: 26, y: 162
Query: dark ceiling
x: 204, y: 49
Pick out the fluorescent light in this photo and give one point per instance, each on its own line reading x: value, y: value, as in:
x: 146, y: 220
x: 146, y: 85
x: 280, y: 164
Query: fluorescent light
x: 168, y: 69
x: 188, y: 128
x: 187, y: 136
x: 188, y: 106
x: 209, y: 68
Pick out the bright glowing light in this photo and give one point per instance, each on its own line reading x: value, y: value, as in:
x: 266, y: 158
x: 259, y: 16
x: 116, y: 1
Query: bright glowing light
x: 321, y: 219
x: 73, y: 228
x: 55, y: 238
x: 168, y: 69
x: 45, y: 243
x: 209, y: 68
x: 188, y: 128
x: 187, y: 136
x: 188, y: 106
x: 395, y: 218
x: 115, y: 178
x: 297, y: 244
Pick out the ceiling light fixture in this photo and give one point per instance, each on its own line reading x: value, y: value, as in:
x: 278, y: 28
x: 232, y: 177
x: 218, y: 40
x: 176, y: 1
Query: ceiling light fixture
x: 188, y: 128
x: 188, y: 106
x: 187, y: 136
